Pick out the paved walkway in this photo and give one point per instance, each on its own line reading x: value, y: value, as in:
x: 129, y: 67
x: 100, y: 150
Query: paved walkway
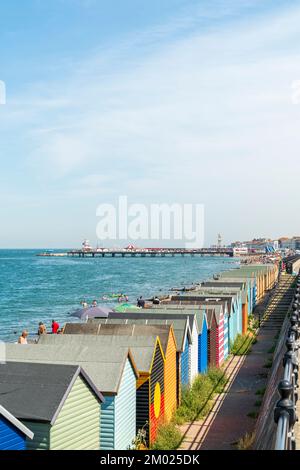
x: 229, y: 421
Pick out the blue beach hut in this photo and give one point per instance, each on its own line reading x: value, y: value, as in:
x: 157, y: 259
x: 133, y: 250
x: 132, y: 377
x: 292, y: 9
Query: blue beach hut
x: 200, y: 329
x: 13, y: 433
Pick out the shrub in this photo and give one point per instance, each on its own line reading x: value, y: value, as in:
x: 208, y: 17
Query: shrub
x: 253, y: 414
x: 196, y: 402
x: 218, y: 379
x: 168, y: 437
x: 246, y: 442
x: 242, y: 344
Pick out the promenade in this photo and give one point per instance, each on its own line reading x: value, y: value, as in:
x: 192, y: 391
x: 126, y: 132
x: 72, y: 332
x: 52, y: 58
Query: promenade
x: 234, y: 411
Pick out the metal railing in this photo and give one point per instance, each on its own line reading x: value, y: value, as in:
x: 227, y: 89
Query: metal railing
x: 285, y: 415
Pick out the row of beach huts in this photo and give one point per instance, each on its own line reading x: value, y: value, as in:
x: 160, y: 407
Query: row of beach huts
x: 97, y: 384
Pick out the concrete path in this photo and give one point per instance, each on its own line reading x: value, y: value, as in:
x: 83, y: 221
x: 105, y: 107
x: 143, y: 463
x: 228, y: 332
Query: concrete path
x: 228, y: 420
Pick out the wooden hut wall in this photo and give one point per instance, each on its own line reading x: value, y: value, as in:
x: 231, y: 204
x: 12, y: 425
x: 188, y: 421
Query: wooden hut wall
x: 157, y: 393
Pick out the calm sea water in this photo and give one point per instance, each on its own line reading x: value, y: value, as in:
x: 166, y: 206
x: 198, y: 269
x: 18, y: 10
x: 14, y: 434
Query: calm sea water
x: 34, y: 289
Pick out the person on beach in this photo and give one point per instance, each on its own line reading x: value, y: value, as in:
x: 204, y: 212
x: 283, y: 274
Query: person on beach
x: 95, y: 303
x: 55, y: 327
x: 141, y: 302
x: 156, y: 300
x: 42, y: 329
x: 23, y: 338
x: 84, y: 304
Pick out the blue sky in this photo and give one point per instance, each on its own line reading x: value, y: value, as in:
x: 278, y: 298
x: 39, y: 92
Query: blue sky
x: 163, y: 101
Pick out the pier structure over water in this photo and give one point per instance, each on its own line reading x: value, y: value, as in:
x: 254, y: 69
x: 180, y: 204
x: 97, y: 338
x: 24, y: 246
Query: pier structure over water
x: 151, y: 252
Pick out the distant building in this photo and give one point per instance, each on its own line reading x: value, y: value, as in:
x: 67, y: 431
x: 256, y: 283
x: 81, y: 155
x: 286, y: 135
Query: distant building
x: 257, y: 245
x: 286, y: 243
x: 240, y: 250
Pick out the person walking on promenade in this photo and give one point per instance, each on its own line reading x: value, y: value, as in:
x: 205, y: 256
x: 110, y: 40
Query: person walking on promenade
x: 23, y: 338
x: 42, y: 329
x: 55, y: 327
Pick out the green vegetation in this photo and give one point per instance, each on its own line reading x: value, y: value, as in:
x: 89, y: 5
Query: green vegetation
x: 253, y: 323
x: 261, y: 392
x: 258, y: 403
x: 168, y: 437
x: 253, y: 414
x: 268, y: 364
x: 242, y: 344
x: 272, y: 349
x: 139, y: 442
x: 246, y: 442
x: 196, y: 402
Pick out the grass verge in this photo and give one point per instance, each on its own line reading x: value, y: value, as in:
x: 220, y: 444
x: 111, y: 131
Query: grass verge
x: 196, y: 401
x: 242, y: 344
x: 168, y: 437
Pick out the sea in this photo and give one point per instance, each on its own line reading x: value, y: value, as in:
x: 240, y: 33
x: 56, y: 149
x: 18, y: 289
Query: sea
x: 34, y: 289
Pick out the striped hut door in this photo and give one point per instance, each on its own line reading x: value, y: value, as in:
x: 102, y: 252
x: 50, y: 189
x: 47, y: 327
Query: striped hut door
x: 221, y: 341
x: 226, y: 336
x: 213, y: 349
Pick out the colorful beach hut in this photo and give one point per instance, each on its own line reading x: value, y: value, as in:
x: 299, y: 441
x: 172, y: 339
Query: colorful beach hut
x: 114, y: 374
x: 13, y: 433
x: 181, y: 331
x: 168, y: 343
x: 234, y: 308
x: 173, y: 313
x: 220, y: 306
x: 59, y: 404
x: 150, y: 362
x: 233, y: 287
x: 198, y: 326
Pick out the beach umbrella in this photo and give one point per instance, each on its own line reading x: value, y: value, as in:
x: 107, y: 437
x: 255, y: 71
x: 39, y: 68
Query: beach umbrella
x: 125, y: 307
x: 92, y: 312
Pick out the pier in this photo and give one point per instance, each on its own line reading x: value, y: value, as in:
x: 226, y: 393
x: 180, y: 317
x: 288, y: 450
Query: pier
x: 150, y: 252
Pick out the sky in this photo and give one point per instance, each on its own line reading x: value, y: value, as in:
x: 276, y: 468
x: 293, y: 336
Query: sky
x: 168, y: 101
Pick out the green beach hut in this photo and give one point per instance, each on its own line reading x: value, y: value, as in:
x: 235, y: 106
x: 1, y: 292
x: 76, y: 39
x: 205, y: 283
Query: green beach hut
x: 59, y: 404
x: 112, y: 371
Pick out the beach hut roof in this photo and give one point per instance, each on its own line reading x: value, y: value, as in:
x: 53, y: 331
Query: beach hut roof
x: 180, y: 325
x: 141, y: 347
x: 229, y: 290
x: 104, y: 328
x: 15, y: 422
x: 245, y: 279
x: 215, y: 300
x: 37, y: 392
x: 177, y: 312
x: 222, y: 283
x: 103, y: 367
x: 210, y: 314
